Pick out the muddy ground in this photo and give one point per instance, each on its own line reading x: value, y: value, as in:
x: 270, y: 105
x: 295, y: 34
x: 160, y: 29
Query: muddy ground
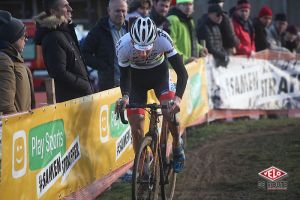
x: 227, y: 167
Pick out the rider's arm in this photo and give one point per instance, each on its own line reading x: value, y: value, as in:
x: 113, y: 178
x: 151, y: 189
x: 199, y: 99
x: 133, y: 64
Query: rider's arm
x: 182, y: 75
x: 124, y: 65
x: 125, y: 80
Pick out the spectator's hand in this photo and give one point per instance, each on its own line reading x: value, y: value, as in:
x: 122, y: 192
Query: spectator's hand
x: 252, y: 54
x: 191, y: 59
x: 203, y: 52
x: 232, y: 51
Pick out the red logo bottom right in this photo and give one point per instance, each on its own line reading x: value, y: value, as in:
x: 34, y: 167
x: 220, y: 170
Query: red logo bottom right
x: 274, y: 179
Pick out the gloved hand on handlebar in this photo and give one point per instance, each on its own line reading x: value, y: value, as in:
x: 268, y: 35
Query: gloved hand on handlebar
x: 121, y: 105
x: 174, y: 105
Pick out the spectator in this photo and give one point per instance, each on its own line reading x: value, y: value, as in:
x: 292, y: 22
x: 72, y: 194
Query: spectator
x: 263, y: 20
x: 244, y: 29
x: 210, y: 32
x: 298, y: 44
x: 290, y: 38
x: 229, y: 38
x: 139, y: 8
x: 16, y: 86
x: 183, y: 32
x: 99, y: 45
x: 275, y: 33
x: 55, y: 32
x: 159, y: 12
x: 232, y: 11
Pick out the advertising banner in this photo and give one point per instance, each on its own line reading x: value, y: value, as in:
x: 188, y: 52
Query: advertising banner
x: 254, y: 84
x: 56, y: 150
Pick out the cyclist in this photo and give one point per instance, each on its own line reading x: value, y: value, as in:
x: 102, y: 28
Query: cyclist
x: 141, y: 56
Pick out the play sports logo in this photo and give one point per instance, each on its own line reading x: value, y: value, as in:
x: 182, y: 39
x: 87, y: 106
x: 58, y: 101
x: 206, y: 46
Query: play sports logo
x: 274, y: 177
x: 19, y: 154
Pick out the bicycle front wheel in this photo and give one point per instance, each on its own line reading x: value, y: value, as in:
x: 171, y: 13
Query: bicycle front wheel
x: 146, y: 174
x: 168, y: 186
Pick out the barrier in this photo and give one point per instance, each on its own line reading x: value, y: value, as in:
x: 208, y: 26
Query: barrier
x: 78, y: 145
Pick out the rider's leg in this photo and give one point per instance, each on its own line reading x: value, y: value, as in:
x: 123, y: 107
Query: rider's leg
x: 137, y: 129
x: 174, y: 128
x: 178, y: 151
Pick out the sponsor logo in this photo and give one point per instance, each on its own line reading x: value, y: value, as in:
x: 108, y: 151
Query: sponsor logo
x: 19, y: 153
x: 59, y: 166
x: 196, y: 85
x: 45, y: 142
x: 123, y: 142
x: 116, y: 126
x: 274, y: 178
x: 165, y: 35
x: 104, y: 132
x: 70, y: 158
x: 194, y: 92
x: 49, y: 175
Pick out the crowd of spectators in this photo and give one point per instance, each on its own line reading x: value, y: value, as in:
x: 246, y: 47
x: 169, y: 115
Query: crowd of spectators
x: 217, y: 32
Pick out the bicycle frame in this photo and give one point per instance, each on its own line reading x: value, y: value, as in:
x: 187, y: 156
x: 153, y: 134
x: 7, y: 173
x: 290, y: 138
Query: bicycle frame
x: 158, y: 143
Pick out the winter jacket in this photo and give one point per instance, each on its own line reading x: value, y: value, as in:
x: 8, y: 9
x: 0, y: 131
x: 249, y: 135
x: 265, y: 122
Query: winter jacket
x: 261, y: 42
x: 62, y: 57
x: 160, y: 21
x: 183, y: 34
x: 245, y: 32
x: 16, y: 85
x: 229, y: 38
x: 210, y: 32
x: 275, y: 40
x: 99, y: 52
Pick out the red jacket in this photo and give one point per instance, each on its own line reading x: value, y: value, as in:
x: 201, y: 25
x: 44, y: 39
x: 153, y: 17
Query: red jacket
x: 247, y: 43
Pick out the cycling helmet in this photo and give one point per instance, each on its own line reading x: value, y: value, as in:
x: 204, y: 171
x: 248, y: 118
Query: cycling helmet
x: 143, y: 33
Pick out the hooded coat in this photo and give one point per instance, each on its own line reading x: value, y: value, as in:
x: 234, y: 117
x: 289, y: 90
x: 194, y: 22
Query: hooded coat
x: 183, y: 34
x: 62, y: 57
x: 16, y: 85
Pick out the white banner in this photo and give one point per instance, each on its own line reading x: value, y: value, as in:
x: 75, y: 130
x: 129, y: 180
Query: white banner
x: 254, y: 84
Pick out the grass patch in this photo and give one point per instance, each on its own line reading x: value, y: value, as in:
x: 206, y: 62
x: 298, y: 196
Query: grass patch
x: 199, y: 134
x: 245, y: 159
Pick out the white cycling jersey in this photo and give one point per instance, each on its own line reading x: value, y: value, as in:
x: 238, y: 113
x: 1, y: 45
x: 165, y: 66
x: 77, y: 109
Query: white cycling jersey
x: 128, y: 55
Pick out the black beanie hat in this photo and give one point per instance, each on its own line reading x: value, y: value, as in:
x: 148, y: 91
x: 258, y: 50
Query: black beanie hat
x: 215, y: 9
x: 215, y: 1
x: 11, y: 29
x: 280, y: 17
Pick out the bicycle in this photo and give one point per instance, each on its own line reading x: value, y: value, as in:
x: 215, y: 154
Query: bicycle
x: 152, y: 165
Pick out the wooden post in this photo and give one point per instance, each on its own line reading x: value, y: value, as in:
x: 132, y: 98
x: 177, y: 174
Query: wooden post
x: 50, y: 91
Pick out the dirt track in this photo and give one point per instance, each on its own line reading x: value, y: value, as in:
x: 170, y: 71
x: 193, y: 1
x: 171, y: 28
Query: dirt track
x: 228, y: 167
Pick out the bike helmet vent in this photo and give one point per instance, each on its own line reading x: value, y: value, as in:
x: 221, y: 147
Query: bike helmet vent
x: 143, y: 33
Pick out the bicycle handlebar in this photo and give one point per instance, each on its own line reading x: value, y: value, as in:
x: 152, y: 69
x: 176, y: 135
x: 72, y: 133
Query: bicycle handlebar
x: 152, y: 107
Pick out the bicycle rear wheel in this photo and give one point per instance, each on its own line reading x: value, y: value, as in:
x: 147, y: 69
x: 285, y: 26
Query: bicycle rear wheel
x: 146, y: 174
